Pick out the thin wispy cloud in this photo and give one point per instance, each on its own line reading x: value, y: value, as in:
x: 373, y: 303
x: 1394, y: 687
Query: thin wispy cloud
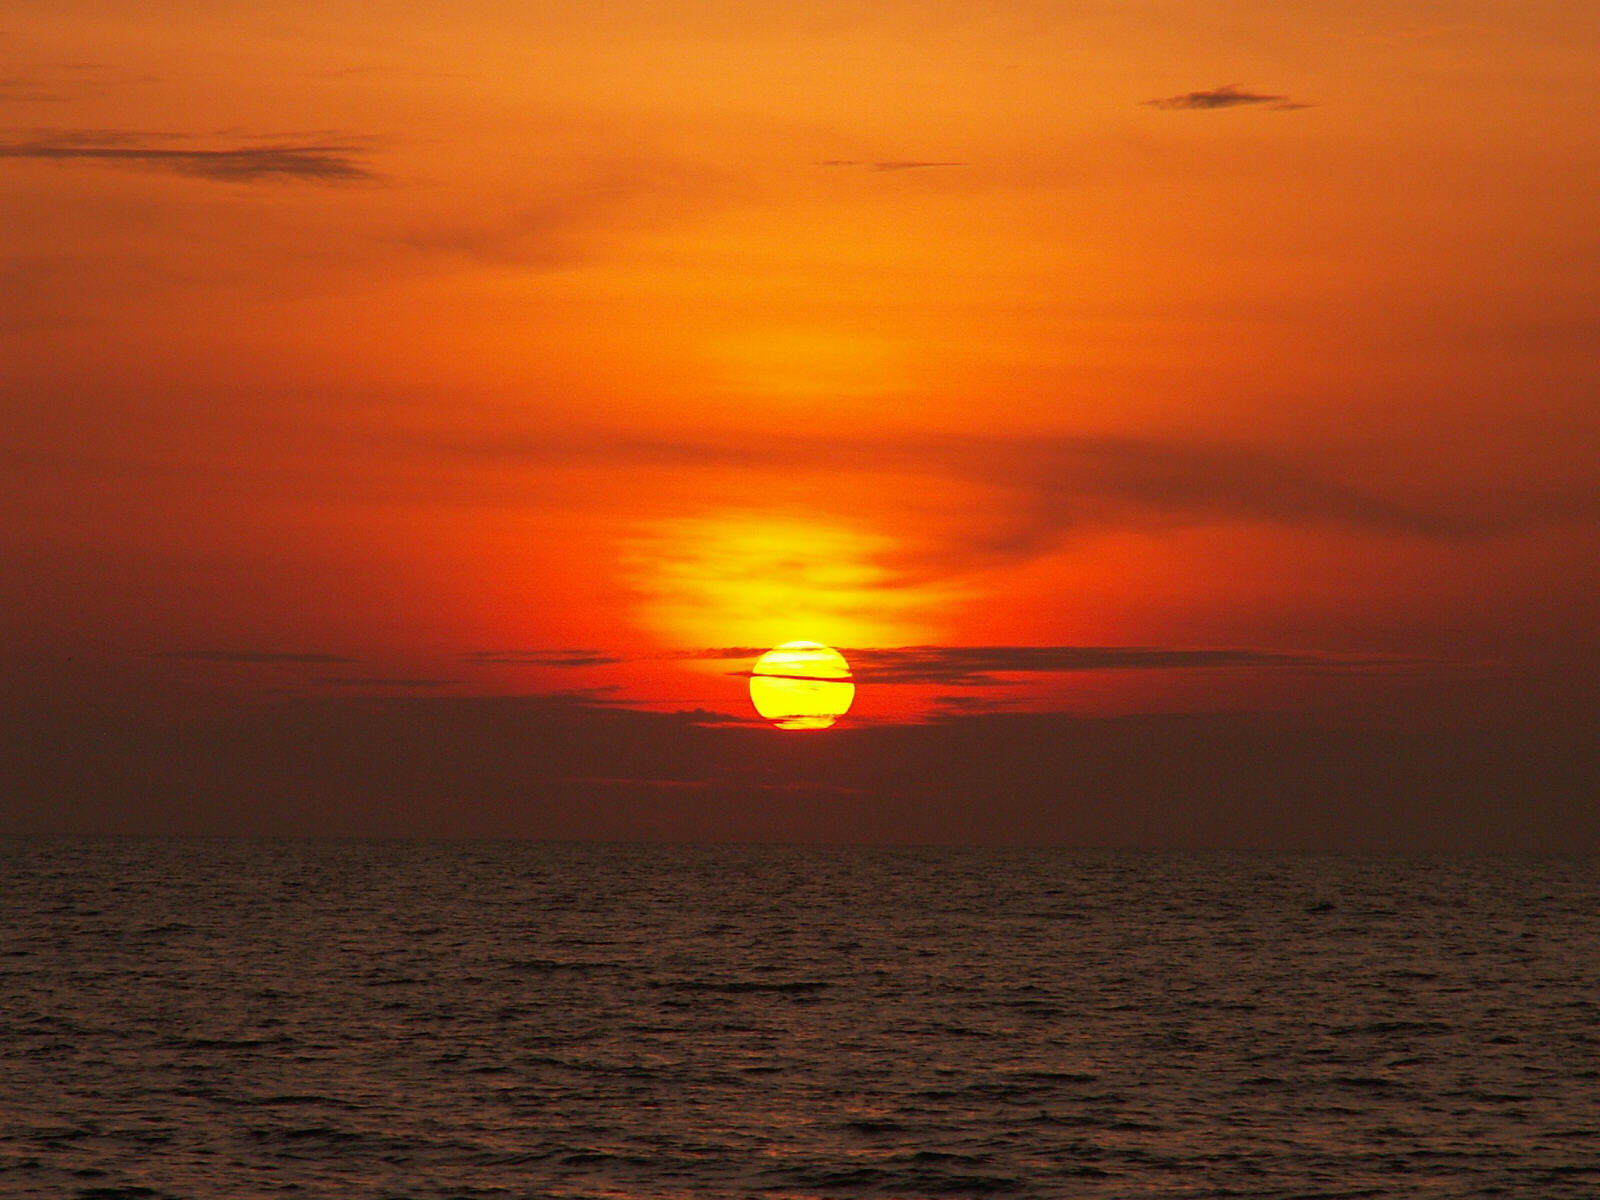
x: 254, y: 656
x: 382, y: 682
x: 59, y: 82
x: 976, y: 666
x: 897, y: 164
x: 720, y: 653
x: 317, y: 163
x: 22, y: 89
x: 568, y: 217
x: 1228, y: 96
x: 543, y: 658
x: 753, y: 674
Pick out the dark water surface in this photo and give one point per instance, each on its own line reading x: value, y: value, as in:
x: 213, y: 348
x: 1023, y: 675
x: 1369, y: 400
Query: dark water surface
x: 332, y: 1019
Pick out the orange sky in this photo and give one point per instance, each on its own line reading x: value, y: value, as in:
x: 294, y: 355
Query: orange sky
x: 344, y: 343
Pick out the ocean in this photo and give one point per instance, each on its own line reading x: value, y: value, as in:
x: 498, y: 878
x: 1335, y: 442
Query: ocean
x: 254, y: 1018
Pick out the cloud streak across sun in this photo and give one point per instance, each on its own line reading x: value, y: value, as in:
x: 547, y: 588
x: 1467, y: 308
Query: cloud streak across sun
x: 987, y: 666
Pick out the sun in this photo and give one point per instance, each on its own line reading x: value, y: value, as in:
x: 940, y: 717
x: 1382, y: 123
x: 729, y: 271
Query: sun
x: 802, y: 685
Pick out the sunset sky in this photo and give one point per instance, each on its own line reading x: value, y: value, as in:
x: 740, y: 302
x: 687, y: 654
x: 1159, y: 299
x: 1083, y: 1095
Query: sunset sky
x: 1111, y: 382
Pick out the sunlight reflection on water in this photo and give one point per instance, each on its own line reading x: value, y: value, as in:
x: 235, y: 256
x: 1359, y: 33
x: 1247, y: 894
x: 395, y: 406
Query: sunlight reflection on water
x: 427, y: 1019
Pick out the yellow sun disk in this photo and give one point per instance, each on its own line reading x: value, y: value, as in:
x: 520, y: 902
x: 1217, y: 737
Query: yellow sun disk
x: 802, y: 685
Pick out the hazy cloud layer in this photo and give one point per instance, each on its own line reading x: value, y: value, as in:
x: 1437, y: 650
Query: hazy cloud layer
x: 236, y: 164
x: 1228, y: 96
x: 254, y: 656
x: 952, y: 507
x: 543, y: 767
x: 1048, y: 486
x: 1057, y: 485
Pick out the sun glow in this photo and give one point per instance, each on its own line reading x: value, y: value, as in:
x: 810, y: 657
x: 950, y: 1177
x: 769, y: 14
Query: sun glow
x: 748, y: 578
x: 802, y: 685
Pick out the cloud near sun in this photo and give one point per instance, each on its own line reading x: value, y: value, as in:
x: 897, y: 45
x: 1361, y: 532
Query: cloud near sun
x: 867, y: 540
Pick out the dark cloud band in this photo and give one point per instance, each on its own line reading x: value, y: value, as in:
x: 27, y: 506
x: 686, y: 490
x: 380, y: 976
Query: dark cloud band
x: 244, y: 164
x: 982, y: 665
x: 1228, y: 96
x: 254, y: 656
